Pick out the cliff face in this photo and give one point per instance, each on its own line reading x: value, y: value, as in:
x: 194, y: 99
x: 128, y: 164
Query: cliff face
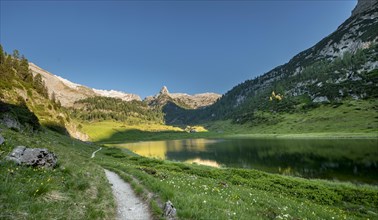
x: 363, y: 6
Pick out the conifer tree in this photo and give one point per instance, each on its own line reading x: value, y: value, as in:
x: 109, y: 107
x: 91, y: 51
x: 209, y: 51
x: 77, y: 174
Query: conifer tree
x: 2, y: 55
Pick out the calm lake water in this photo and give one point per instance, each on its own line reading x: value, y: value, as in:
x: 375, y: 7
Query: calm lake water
x: 354, y: 160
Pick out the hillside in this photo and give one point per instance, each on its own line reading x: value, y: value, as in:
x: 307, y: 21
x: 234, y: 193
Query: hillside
x: 68, y: 92
x: 341, y: 67
x: 25, y: 98
x: 106, y: 108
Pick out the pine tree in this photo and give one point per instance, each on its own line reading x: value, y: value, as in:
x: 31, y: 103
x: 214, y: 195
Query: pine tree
x: 2, y: 55
x: 15, y: 60
x: 24, y: 71
x: 39, y: 85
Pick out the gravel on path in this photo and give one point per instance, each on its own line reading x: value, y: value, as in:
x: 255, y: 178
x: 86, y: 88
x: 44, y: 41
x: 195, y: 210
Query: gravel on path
x: 94, y: 153
x: 129, y: 206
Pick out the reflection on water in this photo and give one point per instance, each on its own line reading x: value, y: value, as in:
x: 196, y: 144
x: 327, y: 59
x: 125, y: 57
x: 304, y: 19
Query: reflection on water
x: 209, y: 163
x: 160, y: 149
x: 341, y: 159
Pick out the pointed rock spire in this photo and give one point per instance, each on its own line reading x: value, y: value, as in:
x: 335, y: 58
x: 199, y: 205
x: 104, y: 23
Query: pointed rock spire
x: 164, y: 91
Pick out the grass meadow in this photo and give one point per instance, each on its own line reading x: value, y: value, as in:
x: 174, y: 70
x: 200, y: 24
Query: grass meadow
x: 354, y: 119
x: 76, y: 189
x: 200, y: 192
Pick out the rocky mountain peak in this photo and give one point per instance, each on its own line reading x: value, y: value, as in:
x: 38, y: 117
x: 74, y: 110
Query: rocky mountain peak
x: 363, y: 6
x: 182, y: 99
x: 164, y: 91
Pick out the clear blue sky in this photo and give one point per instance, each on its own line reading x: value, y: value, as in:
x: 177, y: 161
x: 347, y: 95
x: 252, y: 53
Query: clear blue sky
x: 189, y: 46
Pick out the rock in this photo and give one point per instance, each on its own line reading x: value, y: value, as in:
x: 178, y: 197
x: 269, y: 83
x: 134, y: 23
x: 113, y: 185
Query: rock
x: 164, y: 91
x: 320, y: 99
x: 16, y: 154
x: 189, y: 101
x: 363, y: 6
x: 36, y: 157
x: 169, y: 210
x: 1, y: 139
x: 67, y: 92
x: 10, y: 122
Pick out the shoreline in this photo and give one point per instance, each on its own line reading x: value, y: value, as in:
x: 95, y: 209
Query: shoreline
x: 211, y: 135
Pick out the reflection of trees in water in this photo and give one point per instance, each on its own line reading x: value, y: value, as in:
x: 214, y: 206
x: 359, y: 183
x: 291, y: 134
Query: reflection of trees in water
x: 329, y: 159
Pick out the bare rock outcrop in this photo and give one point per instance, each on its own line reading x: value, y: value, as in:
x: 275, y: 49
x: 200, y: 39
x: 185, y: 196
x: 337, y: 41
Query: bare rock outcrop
x: 189, y: 101
x: 68, y: 92
x: 363, y: 5
x: 36, y: 157
x: 164, y: 91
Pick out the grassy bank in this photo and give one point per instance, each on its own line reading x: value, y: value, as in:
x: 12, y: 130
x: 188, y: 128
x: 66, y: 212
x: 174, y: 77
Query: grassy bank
x: 353, y: 119
x: 78, y: 184
x: 200, y: 192
x: 76, y: 189
x: 106, y: 132
x: 117, y: 133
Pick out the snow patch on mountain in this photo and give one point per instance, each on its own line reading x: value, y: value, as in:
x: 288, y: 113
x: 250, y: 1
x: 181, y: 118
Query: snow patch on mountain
x: 68, y: 92
x: 117, y: 94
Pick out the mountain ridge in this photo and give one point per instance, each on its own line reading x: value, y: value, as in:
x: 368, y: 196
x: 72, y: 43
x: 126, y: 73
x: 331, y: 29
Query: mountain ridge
x: 68, y: 92
x: 195, y: 101
x: 342, y: 65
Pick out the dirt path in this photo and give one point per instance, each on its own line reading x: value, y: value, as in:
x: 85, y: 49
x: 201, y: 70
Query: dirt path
x: 129, y: 206
x: 94, y: 153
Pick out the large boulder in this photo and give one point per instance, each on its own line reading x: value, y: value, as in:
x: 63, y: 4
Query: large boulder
x: 36, y: 157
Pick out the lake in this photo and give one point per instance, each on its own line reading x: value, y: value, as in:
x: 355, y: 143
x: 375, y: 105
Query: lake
x: 354, y: 160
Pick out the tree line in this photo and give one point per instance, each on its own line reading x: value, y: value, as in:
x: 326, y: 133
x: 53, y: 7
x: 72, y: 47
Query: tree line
x: 15, y: 72
x: 105, y: 108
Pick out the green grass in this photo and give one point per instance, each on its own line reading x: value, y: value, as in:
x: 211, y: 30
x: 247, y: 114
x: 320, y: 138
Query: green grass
x: 116, y: 132
x: 200, y: 192
x: 79, y: 185
x: 76, y: 189
x: 353, y: 119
